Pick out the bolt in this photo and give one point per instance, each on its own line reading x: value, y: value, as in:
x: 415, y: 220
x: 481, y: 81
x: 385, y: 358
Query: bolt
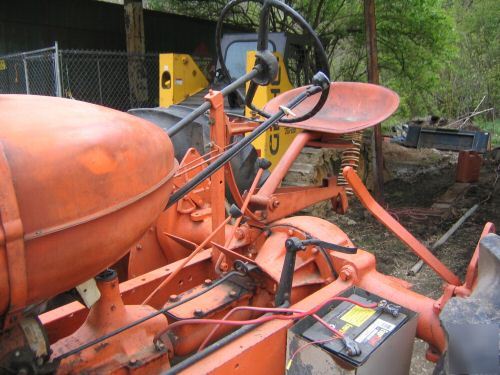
x: 132, y: 362
x: 224, y: 266
x: 232, y: 293
x: 198, y: 312
x: 17, y: 353
x: 159, y: 345
x: 276, y: 203
x: 239, y: 234
x: 173, y: 298
x: 290, y: 232
x: 314, y: 250
x: 138, y: 246
x: 346, y: 273
x: 207, y: 282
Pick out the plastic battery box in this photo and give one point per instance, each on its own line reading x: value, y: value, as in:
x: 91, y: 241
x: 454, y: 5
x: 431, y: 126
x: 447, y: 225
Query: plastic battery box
x: 384, y: 338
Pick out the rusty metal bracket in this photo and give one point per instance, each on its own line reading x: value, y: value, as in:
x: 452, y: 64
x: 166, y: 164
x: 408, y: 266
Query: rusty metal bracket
x: 288, y: 200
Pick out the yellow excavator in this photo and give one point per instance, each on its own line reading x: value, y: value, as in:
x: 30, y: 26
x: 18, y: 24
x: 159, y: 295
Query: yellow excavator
x: 184, y: 82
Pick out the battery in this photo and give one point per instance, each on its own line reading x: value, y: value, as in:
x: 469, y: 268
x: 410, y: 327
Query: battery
x: 382, y: 336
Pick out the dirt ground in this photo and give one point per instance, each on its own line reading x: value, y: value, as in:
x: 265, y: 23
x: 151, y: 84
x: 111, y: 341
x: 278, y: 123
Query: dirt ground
x: 416, y: 188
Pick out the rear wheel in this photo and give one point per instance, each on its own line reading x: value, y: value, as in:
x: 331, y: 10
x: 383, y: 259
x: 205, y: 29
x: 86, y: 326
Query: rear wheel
x: 197, y: 135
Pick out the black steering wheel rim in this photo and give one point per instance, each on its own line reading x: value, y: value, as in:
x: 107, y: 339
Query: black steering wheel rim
x: 321, y: 57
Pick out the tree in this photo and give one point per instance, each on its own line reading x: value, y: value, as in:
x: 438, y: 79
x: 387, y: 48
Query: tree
x: 475, y: 72
x: 415, y: 39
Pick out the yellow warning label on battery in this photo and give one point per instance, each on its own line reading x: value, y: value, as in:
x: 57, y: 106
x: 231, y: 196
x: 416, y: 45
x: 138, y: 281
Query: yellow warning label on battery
x: 357, y: 315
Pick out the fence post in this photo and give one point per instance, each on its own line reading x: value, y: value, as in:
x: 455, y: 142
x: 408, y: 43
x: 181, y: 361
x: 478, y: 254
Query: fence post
x: 99, y: 79
x: 57, y: 71
x: 26, y: 77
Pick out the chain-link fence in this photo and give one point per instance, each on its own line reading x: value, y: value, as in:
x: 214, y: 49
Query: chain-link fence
x: 113, y: 79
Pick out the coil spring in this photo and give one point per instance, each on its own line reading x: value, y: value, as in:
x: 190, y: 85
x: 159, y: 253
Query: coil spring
x: 350, y: 157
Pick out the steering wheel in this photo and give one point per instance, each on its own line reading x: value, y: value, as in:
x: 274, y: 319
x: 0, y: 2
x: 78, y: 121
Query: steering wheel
x: 266, y: 62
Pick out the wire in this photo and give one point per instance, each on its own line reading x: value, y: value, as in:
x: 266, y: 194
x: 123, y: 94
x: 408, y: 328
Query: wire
x: 265, y: 318
x: 243, y: 208
x: 415, y: 213
x: 146, y: 318
x: 268, y: 310
x: 289, y: 363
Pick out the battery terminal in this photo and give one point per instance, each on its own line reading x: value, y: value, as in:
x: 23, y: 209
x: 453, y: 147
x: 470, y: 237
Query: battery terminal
x: 389, y: 308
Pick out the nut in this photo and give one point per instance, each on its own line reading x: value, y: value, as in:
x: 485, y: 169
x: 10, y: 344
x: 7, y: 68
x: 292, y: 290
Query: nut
x: 173, y: 298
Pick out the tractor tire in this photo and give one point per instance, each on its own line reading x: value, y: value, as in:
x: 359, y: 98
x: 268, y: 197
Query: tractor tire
x: 197, y: 135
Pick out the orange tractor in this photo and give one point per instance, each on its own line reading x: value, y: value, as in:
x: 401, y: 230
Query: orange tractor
x: 205, y: 287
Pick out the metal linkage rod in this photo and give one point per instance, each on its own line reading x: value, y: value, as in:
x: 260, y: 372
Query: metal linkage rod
x: 206, y: 105
x: 231, y: 152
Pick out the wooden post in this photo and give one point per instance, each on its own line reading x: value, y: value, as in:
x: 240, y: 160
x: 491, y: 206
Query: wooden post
x: 373, y: 77
x: 136, y: 48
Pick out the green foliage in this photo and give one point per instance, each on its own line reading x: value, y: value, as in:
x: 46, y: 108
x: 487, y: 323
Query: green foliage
x: 441, y: 57
x: 475, y: 73
x: 415, y: 39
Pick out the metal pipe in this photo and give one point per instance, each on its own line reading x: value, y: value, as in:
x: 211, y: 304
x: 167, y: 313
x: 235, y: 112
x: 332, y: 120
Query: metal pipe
x: 36, y: 51
x: 57, y: 71
x: 206, y: 105
x: 26, y: 77
x: 210, y: 349
x: 230, y: 153
x: 279, y: 173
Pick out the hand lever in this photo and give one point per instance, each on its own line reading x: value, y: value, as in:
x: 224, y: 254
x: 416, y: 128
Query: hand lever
x: 292, y: 245
x: 329, y: 245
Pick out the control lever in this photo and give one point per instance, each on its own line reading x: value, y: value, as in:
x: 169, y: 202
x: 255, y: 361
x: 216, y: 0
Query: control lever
x: 292, y: 246
x: 294, y: 242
